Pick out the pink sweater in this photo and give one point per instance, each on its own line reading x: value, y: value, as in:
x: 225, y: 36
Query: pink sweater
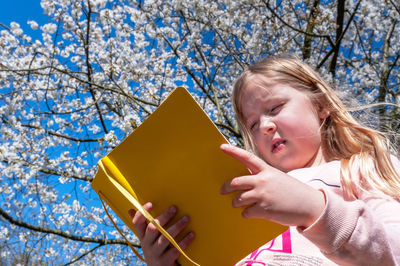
x: 359, y: 232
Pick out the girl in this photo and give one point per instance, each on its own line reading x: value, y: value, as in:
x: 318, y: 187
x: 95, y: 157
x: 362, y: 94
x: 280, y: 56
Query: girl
x: 319, y: 171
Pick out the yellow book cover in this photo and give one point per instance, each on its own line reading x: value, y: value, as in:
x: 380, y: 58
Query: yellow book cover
x: 173, y: 158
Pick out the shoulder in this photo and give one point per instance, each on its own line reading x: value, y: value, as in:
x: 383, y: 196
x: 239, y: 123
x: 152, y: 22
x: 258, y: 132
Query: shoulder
x: 325, y: 175
x: 329, y: 167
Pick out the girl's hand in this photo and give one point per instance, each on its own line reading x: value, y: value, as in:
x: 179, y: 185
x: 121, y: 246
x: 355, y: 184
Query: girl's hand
x: 156, y: 248
x: 272, y: 194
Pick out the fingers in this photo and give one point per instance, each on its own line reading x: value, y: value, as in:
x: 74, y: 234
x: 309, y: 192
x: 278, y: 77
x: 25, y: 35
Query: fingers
x: 156, y: 247
x: 173, y: 253
x: 251, y: 161
x: 152, y: 232
x: 244, y: 199
x: 238, y: 183
x: 162, y: 242
x: 254, y: 211
x: 139, y: 221
x: 148, y: 233
x: 148, y: 229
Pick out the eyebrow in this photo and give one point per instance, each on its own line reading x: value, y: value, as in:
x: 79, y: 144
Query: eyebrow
x: 269, y: 100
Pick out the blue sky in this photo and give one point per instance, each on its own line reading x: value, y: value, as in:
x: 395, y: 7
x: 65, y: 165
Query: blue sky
x: 21, y: 11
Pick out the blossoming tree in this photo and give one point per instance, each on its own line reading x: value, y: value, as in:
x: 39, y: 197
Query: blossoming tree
x: 102, y: 66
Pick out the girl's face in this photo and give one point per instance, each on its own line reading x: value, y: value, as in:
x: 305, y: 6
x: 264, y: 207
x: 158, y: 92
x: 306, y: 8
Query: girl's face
x: 284, y: 124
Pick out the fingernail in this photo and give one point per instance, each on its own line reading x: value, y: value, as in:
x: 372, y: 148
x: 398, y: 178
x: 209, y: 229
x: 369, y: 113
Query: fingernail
x: 185, y: 218
x: 172, y: 209
x: 147, y: 205
x: 222, y: 190
x: 224, y: 146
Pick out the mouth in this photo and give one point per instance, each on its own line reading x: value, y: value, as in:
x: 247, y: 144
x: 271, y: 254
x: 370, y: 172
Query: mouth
x: 277, y: 145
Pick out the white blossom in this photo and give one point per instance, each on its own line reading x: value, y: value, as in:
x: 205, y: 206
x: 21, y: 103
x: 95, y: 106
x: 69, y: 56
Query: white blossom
x: 34, y: 25
x: 69, y: 96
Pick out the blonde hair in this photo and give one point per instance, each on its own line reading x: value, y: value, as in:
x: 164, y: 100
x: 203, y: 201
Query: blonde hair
x: 364, y: 152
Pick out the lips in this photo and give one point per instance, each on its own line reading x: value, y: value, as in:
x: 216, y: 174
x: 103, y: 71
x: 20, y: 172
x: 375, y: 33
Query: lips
x: 277, y: 145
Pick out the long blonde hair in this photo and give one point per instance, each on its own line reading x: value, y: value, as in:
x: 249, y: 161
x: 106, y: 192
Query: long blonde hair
x: 343, y: 138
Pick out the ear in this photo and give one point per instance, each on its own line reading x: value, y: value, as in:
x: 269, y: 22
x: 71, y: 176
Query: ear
x: 323, y: 113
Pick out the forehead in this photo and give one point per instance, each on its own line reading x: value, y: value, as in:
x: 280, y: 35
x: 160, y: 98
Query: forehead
x: 260, y: 88
x: 259, y: 91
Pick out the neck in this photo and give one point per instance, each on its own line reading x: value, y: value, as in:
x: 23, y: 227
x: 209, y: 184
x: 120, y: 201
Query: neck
x: 317, y: 159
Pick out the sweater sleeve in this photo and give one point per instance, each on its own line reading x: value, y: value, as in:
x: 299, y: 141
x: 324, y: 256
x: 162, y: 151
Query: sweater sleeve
x: 357, y: 232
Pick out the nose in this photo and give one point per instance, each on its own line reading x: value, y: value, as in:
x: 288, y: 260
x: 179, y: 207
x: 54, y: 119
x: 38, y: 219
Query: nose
x: 267, y: 126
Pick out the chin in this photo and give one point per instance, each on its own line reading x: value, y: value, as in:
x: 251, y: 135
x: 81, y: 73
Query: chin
x: 287, y: 167
x: 284, y: 164
x: 283, y: 168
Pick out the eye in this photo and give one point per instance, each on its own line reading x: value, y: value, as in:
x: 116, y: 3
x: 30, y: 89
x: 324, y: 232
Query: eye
x: 276, y: 108
x: 253, y: 125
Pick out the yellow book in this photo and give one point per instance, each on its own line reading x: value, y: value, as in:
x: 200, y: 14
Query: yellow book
x: 173, y: 158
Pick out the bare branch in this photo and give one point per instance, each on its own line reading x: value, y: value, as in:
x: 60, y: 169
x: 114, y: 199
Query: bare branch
x: 60, y: 135
x: 49, y: 171
x: 310, y: 28
x: 338, y: 40
x: 89, y: 67
x: 339, y: 31
x: 395, y: 6
x: 292, y: 27
x: 102, y: 241
x: 84, y: 254
x: 385, y: 73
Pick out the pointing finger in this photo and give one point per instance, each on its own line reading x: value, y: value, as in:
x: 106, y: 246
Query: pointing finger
x: 251, y: 161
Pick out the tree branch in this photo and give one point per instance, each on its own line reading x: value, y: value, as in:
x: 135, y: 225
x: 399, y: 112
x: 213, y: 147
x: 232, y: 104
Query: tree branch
x: 395, y: 6
x: 84, y: 254
x: 306, y: 49
x: 293, y: 28
x: 60, y: 135
x: 102, y: 241
x: 338, y: 40
x: 385, y: 73
x: 89, y: 66
x: 339, y: 31
x: 51, y: 171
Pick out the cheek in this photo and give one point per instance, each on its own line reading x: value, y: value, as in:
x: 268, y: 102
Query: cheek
x: 258, y: 140
x: 310, y: 137
x: 261, y: 146
x: 303, y: 125
x: 303, y: 131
